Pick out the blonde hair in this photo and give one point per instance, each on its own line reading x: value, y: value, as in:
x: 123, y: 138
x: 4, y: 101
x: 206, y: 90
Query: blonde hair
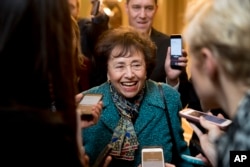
x: 223, y: 26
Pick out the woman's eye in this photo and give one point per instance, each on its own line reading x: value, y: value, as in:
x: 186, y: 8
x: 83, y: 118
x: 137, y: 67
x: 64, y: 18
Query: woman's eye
x: 136, y: 66
x: 119, y: 66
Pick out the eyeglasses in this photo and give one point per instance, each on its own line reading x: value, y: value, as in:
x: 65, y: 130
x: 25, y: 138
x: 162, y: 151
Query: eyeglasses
x: 136, y: 66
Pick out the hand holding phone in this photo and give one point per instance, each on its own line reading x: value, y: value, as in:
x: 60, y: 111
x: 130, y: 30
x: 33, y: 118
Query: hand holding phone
x: 152, y: 156
x: 87, y: 102
x: 176, y: 50
x: 194, y: 116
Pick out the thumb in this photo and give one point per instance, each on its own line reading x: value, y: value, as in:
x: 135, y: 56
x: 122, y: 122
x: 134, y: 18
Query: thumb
x: 78, y: 97
x: 107, y: 161
x: 86, y: 160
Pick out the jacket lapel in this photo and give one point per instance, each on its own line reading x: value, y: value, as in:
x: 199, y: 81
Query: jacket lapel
x: 152, y: 101
x: 110, y: 115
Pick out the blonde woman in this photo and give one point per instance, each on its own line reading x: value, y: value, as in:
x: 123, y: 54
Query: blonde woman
x: 218, y: 35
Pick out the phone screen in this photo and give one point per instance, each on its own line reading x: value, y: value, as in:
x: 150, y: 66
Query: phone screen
x: 176, y: 47
x: 208, y: 117
x: 176, y: 50
x: 154, y: 158
x: 90, y: 99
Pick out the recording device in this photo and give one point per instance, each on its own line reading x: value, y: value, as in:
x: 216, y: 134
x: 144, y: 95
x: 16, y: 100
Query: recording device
x: 193, y: 160
x: 194, y: 116
x: 176, y: 50
x: 86, y: 104
x: 95, y: 7
x: 152, y: 156
x: 103, y: 155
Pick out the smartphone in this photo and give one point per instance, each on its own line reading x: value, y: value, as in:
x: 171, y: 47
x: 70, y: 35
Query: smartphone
x: 176, y: 50
x: 193, y: 160
x: 103, y: 155
x: 87, y: 102
x: 95, y: 7
x: 152, y: 156
x: 194, y: 116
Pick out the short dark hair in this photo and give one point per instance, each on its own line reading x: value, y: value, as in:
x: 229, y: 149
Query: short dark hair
x: 127, y: 38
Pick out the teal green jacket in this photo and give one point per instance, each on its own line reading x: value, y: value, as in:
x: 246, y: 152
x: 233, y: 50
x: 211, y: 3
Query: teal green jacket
x: 151, y: 125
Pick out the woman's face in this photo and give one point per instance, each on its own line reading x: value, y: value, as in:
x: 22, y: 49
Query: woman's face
x: 202, y: 81
x: 128, y: 73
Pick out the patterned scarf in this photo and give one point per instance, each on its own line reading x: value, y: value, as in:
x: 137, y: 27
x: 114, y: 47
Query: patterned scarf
x: 124, y: 139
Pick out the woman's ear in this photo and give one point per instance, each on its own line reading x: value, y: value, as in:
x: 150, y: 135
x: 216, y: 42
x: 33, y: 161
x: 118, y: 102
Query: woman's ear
x: 210, y: 64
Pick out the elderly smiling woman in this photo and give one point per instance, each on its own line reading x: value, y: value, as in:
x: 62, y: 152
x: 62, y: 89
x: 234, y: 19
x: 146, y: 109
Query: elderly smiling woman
x: 133, y: 113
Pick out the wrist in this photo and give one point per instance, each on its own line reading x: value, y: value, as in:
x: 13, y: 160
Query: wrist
x: 172, y: 82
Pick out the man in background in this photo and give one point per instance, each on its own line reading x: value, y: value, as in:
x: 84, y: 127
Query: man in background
x: 141, y: 15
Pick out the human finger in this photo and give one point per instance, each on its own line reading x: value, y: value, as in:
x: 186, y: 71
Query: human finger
x: 203, y: 158
x: 184, y: 53
x: 213, y: 130
x: 169, y: 165
x: 182, y: 59
x: 197, y: 131
x: 86, y: 160
x: 78, y: 97
x: 107, y: 161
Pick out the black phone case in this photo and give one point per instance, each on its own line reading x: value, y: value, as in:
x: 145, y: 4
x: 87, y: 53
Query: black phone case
x: 174, y: 59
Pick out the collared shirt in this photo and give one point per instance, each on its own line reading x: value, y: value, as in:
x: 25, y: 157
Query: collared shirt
x: 176, y: 87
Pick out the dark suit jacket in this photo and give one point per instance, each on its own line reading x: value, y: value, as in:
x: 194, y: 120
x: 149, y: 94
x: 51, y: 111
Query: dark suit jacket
x: 162, y: 43
x: 188, y: 95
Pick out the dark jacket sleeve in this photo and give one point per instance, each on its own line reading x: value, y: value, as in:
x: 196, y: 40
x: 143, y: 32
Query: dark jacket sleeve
x: 188, y: 95
x: 90, y: 30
